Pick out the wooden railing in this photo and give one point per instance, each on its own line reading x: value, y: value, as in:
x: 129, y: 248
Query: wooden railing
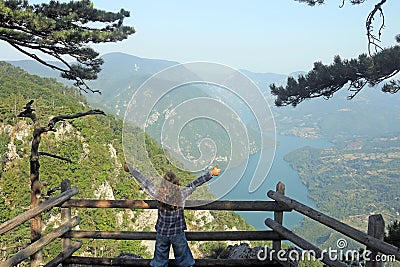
x: 279, y: 205
x: 44, y: 241
x: 271, y: 206
x: 373, y: 239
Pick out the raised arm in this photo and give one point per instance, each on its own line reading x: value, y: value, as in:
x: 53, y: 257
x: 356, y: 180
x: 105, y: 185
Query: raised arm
x: 199, y: 181
x: 144, y: 182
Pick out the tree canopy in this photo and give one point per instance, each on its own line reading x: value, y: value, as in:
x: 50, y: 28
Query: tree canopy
x: 393, y: 234
x: 371, y: 68
x: 62, y: 30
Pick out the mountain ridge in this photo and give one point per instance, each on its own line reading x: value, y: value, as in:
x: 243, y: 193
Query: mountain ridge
x: 315, y: 118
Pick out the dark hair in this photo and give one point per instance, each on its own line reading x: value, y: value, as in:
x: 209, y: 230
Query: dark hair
x: 169, y: 193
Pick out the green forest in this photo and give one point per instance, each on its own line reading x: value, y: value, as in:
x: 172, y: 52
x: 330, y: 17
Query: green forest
x: 94, y: 145
x: 350, y: 181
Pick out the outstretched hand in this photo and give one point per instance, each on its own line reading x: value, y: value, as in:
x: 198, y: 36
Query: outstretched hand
x: 215, y: 171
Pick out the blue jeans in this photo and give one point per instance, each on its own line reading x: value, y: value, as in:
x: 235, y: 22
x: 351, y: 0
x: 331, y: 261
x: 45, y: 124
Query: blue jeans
x: 182, y: 253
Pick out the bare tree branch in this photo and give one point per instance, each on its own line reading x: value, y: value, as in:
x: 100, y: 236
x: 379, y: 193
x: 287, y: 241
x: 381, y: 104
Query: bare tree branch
x: 41, y: 153
x: 54, y: 120
x: 51, y: 191
x: 373, y: 40
x: 36, y: 184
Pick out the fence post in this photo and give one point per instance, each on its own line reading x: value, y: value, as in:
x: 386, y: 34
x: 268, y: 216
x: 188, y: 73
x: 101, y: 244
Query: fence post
x: 376, y: 228
x: 278, y: 216
x: 66, y: 217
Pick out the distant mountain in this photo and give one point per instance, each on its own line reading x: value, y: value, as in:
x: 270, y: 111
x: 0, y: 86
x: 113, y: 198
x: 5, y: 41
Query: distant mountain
x: 370, y: 113
x: 121, y: 75
x: 129, y: 65
x: 34, y: 67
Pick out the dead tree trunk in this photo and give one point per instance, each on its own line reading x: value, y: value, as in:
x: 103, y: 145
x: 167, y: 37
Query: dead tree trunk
x: 36, y: 191
x: 36, y: 185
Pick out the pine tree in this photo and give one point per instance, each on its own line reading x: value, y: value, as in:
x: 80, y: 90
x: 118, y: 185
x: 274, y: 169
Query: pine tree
x: 393, y: 235
x: 372, y: 68
x: 62, y: 30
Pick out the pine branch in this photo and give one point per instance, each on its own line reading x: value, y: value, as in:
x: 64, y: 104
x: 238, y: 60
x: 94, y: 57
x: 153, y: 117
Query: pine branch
x: 61, y: 30
x: 325, y: 80
x: 69, y: 71
x: 35, y: 57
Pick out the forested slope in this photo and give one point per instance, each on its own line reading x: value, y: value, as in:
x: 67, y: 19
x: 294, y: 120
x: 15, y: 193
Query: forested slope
x: 350, y: 181
x: 93, y: 143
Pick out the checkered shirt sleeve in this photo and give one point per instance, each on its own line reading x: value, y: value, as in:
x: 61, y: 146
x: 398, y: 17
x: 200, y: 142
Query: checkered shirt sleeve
x: 145, y: 183
x: 194, y: 184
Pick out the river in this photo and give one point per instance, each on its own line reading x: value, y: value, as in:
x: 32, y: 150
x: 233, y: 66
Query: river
x: 280, y: 171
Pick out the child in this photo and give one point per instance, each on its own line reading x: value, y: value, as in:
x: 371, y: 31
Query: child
x: 171, y: 223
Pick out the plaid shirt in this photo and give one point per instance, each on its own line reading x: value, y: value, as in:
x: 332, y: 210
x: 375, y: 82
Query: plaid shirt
x: 170, y: 222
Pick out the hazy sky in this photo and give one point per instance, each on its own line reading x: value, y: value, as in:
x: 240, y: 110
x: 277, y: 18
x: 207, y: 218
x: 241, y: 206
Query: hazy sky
x: 280, y: 36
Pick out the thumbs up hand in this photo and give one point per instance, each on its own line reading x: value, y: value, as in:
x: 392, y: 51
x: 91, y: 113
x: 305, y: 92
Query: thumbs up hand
x: 215, y: 171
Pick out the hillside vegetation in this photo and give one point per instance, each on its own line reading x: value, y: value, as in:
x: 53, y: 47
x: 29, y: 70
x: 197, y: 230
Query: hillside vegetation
x: 93, y: 144
x: 350, y: 181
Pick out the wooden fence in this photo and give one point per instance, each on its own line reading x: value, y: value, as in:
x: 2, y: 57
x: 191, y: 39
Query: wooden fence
x: 373, y: 239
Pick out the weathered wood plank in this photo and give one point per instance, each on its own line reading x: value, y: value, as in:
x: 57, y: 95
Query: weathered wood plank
x: 39, y: 244
x: 278, y: 216
x: 190, y: 205
x: 376, y: 228
x: 23, y: 217
x: 172, y: 263
x: 345, y: 229
x: 64, y: 255
x: 192, y: 236
x: 302, y: 243
x: 65, y: 214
